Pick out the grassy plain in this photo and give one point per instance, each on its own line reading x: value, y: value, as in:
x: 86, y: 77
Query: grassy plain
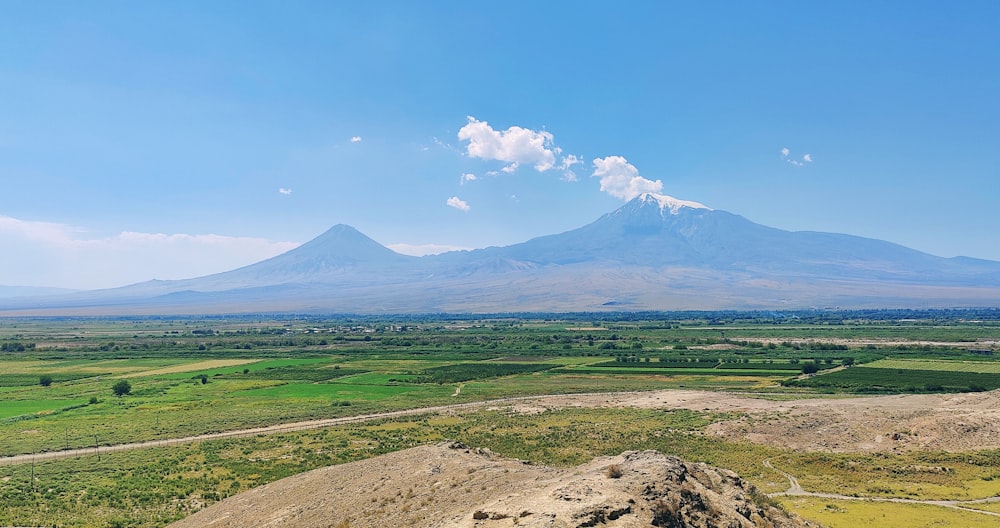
x: 851, y: 513
x: 195, y: 376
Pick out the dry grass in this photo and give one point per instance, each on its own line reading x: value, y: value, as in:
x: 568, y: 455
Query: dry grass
x: 192, y: 367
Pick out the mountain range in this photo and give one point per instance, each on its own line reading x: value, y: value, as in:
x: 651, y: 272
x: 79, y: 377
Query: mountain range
x: 653, y: 253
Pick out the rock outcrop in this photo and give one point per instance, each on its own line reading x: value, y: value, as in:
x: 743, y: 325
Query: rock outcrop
x: 452, y: 485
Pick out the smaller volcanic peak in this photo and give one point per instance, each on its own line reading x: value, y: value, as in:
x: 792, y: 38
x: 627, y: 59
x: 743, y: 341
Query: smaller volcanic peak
x: 342, y: 244
x: 341, y: 249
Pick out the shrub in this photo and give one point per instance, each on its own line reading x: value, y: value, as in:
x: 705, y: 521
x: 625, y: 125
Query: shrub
x: 45, y: 380
x: 665, y: 513
x: 121, y: 388
x: 613, y: 471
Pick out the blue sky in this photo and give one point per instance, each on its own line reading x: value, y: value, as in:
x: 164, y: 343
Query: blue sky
x: 144, y: 140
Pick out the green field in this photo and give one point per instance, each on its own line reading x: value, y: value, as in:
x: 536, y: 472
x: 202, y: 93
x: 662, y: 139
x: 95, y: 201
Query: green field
x: 191, y: 376
x: 944, y: 365
x: 863, y: 380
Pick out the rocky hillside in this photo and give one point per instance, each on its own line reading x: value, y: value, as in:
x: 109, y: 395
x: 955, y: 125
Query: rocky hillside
x: 451, y: 485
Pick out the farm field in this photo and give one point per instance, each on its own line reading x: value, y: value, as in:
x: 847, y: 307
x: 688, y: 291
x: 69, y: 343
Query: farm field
x: 190, y: 377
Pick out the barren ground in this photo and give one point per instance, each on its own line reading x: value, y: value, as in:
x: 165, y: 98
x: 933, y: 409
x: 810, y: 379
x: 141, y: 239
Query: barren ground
x: 949, y: 422
x: 456, y: 486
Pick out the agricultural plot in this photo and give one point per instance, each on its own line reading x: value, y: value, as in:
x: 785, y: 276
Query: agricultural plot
x: 870, y: 380
x: 944, y: 365
x: 191, y: 377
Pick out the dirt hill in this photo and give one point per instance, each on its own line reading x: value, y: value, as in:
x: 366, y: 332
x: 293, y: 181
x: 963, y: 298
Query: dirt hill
x: 451, y: 485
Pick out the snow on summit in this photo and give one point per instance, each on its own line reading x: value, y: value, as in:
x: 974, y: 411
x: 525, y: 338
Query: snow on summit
x: 669, y: 202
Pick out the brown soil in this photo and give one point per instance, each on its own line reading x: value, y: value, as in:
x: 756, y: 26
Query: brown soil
x: 949, y: 422
x: 451, y: 485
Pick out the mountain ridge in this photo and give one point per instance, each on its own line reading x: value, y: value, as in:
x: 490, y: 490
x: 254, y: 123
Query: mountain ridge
x: 655, y: 252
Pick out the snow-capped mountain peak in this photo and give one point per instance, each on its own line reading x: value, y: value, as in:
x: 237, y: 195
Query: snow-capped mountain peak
x: 670, y: 203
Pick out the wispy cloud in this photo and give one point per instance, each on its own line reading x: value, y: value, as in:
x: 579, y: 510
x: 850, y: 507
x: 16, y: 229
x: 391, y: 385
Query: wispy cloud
x: 66, y: 256
x: 513, y: 146
x: 458, y: 203
x: 419, y: 250
x: 786, y: 155
x: 567, y: 167
x: 621, y: 179
x: 356, y: 139
x: 285, y: 191
x: 467, y: 177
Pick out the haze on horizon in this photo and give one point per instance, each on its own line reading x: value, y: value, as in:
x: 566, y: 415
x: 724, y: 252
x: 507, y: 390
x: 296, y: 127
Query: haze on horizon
x: 168, y: 141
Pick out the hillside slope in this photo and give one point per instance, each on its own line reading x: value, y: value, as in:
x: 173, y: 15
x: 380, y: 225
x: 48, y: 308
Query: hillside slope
x: 450, y: 485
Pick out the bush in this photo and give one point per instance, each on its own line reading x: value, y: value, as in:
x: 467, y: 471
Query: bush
x: 810, y: 367
x: 121, y: 388
x: 613, y: 471
x: 45, y: 380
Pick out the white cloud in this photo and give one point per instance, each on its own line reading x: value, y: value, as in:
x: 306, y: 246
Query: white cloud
x: 621, y: 179
x: 467, y: 177
x: 458, y: 203
x: 285, y: 191
x: 566, y: 166
x: 510, y: 168
x: 356, y: 139
x: 60, y: 255
x: 569, y: 161
x: 785, y: 153
x: 419, y: 250
x: 514, y: 146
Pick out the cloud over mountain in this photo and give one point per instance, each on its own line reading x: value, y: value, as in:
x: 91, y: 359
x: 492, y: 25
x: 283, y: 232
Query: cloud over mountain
x: 621, y: 179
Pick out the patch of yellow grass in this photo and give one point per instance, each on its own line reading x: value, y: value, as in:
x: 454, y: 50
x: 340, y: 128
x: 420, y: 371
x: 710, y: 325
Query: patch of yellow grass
x: 191, y: 367
x: 851, y: 514
x: 985, y: 506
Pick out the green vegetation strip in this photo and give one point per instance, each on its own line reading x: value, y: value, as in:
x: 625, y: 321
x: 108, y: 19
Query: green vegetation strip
x: 27, y: 380
x: 475, y: 371
x: 945, y: 365
x: 865, y: 380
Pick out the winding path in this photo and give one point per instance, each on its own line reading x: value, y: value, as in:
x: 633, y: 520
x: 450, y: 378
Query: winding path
x: 795, y: 490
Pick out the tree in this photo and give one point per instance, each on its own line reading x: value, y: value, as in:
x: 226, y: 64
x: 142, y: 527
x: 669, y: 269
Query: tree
x: 847, y: 361
x: 121, y: 388
x: 45, y: 380
x: 810, y: 367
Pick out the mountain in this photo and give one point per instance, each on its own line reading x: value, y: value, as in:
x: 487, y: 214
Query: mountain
x: 660, y: 231
x: 653, y: 253
x: 30, y: 291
